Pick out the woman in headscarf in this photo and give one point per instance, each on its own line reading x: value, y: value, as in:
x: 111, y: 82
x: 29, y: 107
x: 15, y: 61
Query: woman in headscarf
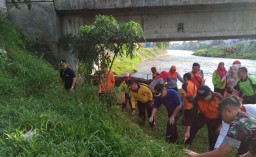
x: 173, y: 78
x: 236, y: 65
x: 218, y: 74
x: 229, y: 79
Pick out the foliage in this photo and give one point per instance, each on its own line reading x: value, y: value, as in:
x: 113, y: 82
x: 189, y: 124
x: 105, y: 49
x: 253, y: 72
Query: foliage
x: 162, y: 45
x: 219, y: 52
x: 105, y: 39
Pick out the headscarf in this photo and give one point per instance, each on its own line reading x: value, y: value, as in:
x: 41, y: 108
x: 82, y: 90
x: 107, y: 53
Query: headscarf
x: 221, y: 72
x: 237, y: 62
x: 236, y: 65
x: 172, y: 73
x: 162, y: 75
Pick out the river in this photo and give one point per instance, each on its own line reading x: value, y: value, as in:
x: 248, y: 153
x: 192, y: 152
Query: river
x: 183, y: 60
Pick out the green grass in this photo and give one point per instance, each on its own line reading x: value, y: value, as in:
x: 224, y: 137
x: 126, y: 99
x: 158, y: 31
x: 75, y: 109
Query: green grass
x: 64, y: 124
x: 124, y: 64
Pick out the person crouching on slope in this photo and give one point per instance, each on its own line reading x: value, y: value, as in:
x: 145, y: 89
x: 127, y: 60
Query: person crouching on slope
x: 206, y: 101
x: 171, y: 100
x: 144, y: 97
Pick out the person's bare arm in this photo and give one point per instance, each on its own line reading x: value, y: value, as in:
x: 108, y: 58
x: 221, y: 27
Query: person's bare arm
x: 248, y: 154
x: 153, y: 114
x: 174, y: 114
x: 73, y: 83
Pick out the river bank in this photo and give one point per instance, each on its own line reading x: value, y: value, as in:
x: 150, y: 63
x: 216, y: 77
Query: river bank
x: 124, y: 64
x: 225, y: 53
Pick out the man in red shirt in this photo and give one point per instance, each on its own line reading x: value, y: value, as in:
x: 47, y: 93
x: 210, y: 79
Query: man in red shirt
x: 196, y: 75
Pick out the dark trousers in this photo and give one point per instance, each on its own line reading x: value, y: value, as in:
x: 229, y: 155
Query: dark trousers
x: 171, y: 129
x: 212, y: 125
x: 249, y: 99
x: 221, y: 91
x: 244, y: 147
x: 127, y: 100
x: 142, y: 107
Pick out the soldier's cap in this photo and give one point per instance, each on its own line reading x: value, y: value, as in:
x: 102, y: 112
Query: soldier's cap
x: 158, y: 89
x: 231, y: 100
x: 203, y: 92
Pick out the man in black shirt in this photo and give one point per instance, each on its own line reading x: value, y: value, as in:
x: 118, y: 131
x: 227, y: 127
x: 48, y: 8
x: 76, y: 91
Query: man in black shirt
x: 68, y: 76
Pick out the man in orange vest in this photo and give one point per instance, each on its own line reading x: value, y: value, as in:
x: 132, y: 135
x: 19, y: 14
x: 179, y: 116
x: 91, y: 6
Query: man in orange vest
x: 107, y: 82
x: 189, y: 91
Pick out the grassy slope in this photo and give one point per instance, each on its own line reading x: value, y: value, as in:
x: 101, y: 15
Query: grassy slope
x: 74, y: 124
x: 124, y: 64
x: 218, y: 52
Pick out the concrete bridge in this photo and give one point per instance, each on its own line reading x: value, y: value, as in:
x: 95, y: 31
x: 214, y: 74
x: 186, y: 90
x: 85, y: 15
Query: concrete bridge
x: 161, y: 20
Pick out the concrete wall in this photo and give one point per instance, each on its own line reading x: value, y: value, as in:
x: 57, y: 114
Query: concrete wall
x: 3, y: 9
x: 200, y: 22
x: 108, y: 4
x: 41, y: 22
x: 2, y: 4
x: 203, y: 24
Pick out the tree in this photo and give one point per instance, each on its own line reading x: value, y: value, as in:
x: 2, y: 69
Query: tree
x: 101, y: 42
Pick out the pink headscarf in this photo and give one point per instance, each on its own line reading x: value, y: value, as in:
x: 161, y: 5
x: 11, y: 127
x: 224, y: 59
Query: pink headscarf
x: 221, y: 72
x: 162, y: 75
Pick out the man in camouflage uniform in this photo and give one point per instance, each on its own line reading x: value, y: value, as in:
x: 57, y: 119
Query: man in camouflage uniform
x: 242, y: 130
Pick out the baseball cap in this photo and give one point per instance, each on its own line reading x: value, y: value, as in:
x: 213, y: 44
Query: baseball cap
x: 158, y: 89
x: 203, y: 92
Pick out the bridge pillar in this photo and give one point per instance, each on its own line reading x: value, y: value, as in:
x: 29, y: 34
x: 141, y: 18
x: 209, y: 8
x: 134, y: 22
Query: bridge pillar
x: 41, y: 23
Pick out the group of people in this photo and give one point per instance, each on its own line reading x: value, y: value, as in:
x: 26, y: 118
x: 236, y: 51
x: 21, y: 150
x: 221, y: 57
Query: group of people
x: 235, y: 82
x: 235, y: 125
x: 229, y: 123
x: 220, y: 110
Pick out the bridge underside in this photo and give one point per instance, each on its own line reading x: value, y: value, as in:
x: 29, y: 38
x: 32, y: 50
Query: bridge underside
x: 172, y: 23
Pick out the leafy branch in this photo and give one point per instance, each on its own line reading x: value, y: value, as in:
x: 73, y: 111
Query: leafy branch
x: 101, y: 42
